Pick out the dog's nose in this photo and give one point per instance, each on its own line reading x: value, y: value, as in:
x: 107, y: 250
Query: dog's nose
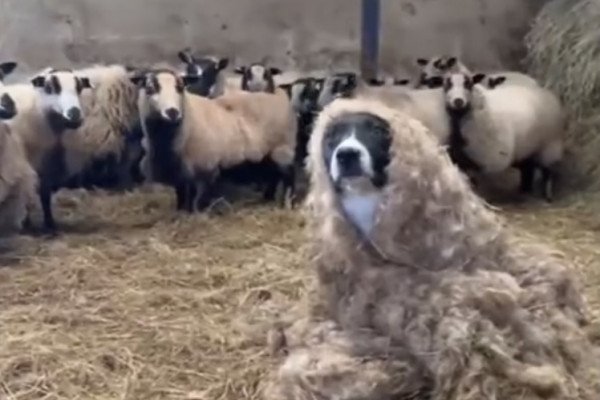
x: 347, y: 157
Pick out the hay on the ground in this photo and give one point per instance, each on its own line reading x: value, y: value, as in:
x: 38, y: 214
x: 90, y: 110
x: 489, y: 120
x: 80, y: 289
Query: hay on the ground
x: 563, y: 53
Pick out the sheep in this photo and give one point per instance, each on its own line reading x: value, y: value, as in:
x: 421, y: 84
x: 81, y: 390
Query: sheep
x: 18, y: 181
x: 304, y: 94
x: 209, y: 73
x: 434, y: 69
x: 509, y: 125
x: 257, y: 77
x: 48, y: 111
x: 105, y: 150
x: 190, y: 138
x: 422, y: 291
x: 339, y: 84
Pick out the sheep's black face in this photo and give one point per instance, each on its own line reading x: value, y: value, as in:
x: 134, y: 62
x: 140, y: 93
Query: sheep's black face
x: 356, y: 147
x: 258, y: 77
x: 308, y: 96
x: 202, y: 74
x: 341, y: 84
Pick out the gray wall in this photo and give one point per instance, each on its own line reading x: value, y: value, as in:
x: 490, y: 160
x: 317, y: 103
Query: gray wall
x: 305, y: 34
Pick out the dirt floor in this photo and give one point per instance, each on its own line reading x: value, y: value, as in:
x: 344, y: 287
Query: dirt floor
x: 137, y: 302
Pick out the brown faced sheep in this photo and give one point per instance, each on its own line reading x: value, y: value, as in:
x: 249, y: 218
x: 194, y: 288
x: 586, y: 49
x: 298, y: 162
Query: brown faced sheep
x: 423, y: 294
x: 190, y: 138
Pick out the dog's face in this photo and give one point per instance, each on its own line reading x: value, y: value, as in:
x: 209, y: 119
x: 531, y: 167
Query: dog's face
x: 356, y: 152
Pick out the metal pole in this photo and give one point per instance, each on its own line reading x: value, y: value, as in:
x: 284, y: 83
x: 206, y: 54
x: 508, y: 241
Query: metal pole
x: 370, y: 38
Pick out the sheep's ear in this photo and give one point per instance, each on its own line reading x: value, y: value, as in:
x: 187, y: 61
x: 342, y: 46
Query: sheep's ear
x: 287, y: 87
x: 422, y: 61
x: 8, y: 67
x: 130, y: 68
x: 137, y: 79
x: 185, y: 56
x: 495, y: 81
x: 240, y: 70
x: 478, y: 78
x: 435, y: 82
x: 275, y: 71
x: 375, y: 82
x: 450, y: 62
x: 223, y: 63
x: 401, y: 82
x: 38, y: 81
x: 85, y: 82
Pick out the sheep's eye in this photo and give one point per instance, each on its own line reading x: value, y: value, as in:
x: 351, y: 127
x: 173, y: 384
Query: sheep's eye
x: 468, y: 83
x: 179, y: 87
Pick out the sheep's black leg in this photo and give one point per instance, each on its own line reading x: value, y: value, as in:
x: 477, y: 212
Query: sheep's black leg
x: 190, y: 197
x: 273, y: 176
x: 46, y: 201
x: 204, y: 190
x: 547, y: 183
x: 180, y: 192
x: 288, y: 176
x: 527, y: 169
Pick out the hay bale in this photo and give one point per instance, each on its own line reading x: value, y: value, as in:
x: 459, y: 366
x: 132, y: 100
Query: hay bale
x: 563, y: 53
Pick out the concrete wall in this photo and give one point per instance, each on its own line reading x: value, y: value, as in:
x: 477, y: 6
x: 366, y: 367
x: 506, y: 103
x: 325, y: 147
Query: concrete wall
x: 293, y: 33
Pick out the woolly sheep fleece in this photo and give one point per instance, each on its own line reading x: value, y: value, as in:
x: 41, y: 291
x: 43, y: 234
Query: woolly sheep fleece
x: 18, y: 182
x: 440, y: 303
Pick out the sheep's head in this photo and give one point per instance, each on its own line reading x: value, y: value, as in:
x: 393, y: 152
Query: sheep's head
x: 458, y: 91
x: 379, y: 178
x: 60, y: 91
x: 163, y: 91
x: 202, y: 73
x: 434, y: 69
x: 258, y: 77
x: 338, y: 85
x: 8, y: 108
x: 304, y: 94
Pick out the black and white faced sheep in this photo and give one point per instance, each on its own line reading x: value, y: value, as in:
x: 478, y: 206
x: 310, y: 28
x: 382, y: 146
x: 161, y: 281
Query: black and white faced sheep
x: 8, y: 108
x: 339, y: 84
x: 433, y: 71
x: 18, y: 181
x: 422, y: 293
x: 190, y: 139
x: 304, y: 95
x: 507, y: 126
x: 208, y: 72
x: 258, y: 77
x: 49, y: 108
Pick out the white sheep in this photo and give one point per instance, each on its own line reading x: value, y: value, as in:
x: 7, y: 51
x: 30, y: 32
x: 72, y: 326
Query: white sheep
x: 48, y: 108
x: 433, y: 71
x: 511, y: 125
x: 7, y: 104
x: 190, y: 138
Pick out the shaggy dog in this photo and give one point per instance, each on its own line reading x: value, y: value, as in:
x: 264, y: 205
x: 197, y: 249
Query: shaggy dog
x: 422, y: 293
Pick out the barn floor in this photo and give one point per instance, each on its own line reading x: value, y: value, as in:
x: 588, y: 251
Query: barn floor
x: 136, y: 302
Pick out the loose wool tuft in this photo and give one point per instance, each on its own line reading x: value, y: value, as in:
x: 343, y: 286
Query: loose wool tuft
x: 439, y: 301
